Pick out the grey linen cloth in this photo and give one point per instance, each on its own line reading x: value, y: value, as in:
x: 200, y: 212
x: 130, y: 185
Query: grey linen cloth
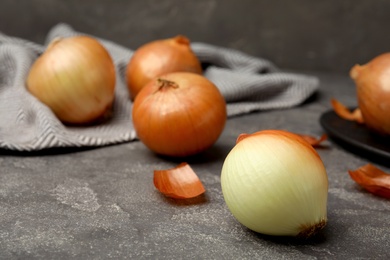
x: 247, y: 83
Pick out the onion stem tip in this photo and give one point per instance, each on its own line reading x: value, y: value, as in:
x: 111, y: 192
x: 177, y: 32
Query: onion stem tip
x: 164, y: 83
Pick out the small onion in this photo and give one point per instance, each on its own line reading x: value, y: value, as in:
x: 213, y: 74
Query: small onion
x: 373, y: 91
x: 160, y: 57
x: 275, y: 183
x: 75, y: 78
x: 179, y: 114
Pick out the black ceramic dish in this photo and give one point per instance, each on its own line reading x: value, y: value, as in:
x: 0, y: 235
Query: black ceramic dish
x: 356, y: 138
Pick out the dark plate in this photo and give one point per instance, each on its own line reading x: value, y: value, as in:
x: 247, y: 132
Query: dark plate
x: 356, y: 137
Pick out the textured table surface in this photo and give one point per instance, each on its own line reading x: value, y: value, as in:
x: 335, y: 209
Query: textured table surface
x: 101, y: 203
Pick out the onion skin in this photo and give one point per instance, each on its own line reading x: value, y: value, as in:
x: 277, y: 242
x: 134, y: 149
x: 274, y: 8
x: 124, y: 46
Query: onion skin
x: 180, y: 182
x: 343, y: 112
x: 275, y: 183
x: 372, y: 179
x: 314, y: 141
x: 75, y: 78
x: 157, y: 58
x: 179, y: 119
x: 373, y: 91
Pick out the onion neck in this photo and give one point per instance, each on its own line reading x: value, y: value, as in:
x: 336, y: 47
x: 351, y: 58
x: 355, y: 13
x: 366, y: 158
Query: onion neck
x: 311, y: 230
x: 355, y: 71
x: 166, y: 84
x: 241, y: 137
x: 54, y: 42
x: 180, y: 39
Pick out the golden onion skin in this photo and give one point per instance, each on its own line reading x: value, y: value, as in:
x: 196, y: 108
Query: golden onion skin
x: 181, y: 118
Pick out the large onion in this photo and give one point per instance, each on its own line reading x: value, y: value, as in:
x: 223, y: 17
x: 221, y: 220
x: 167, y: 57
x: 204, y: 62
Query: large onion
x: 275, y: 183
x: 373, y: 91
x: 75, y: 78
x: 179, y: 114
x: 160, y: 57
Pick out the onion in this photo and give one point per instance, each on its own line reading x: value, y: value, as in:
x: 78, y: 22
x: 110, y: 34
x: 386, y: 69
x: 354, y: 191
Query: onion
x: 179, y: 114
x: 180, y: 182
x: 373, y: 91
x: 75, y: 78
x: 275, y: 183
x: 160, y: 57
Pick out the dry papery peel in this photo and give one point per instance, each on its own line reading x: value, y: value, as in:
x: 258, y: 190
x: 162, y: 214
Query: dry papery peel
x: 314, y: 141
x: 343, y: 112
x: 373, y: 180
x: 180, y: 182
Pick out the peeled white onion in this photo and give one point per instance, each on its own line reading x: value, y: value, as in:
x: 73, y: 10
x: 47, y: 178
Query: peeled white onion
x: 275, y: 183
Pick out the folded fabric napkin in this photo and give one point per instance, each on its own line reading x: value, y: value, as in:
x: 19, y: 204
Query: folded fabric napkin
x: 247, y: 83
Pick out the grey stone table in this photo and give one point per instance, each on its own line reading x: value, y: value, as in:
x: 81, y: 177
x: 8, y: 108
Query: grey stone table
x: 101, y: 203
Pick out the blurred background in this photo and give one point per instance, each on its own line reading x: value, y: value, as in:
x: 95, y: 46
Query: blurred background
x: 305, y: 35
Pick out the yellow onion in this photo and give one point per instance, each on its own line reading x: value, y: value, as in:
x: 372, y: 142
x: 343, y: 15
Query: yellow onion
x: 373, y: 91
x: 160, y: 57
x: 275, y: 183
x: 75, y: 78
x: 179, y: 114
